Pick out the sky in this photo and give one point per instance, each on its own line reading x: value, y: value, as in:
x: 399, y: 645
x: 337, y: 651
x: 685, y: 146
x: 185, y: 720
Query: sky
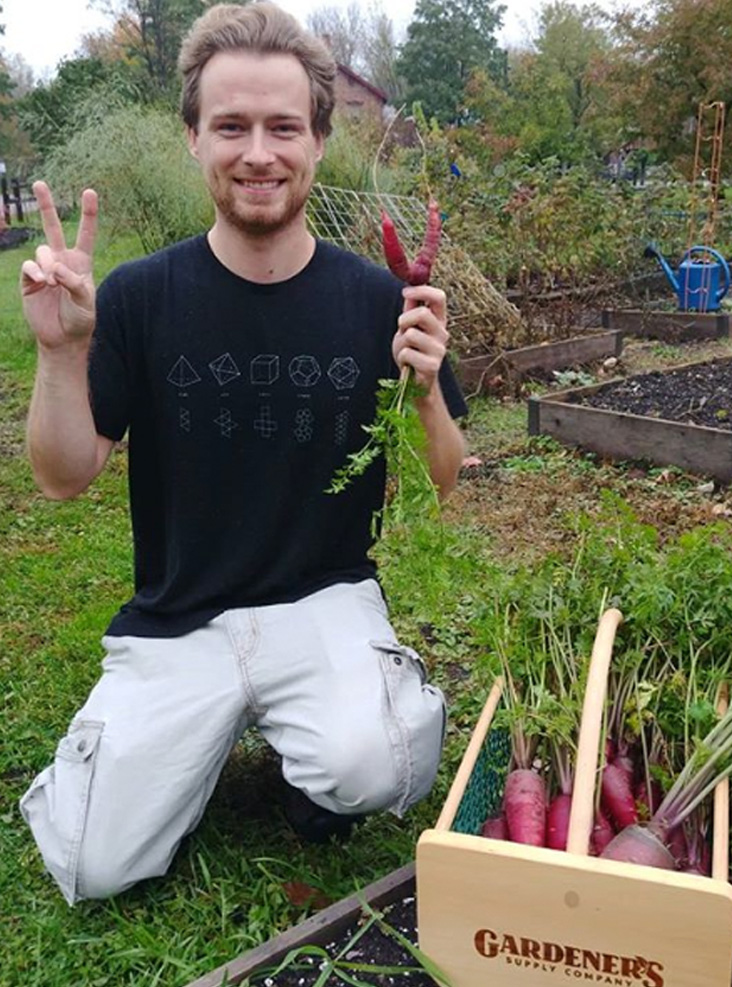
x: 46, y: 31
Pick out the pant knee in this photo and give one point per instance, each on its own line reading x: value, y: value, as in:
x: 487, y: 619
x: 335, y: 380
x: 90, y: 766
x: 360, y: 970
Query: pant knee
x: 99, y: 874
x: 362, y: 781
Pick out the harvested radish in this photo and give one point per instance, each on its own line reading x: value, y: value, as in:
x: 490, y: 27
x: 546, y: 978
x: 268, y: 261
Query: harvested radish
x: 704, y: 770
x: 420, y: 270
x: 648, y: 797
x: 678, y: 846
x: 557, y: 821
x: 617, y: 795
x: 495, y: 828
x: 524, y: 804
x: 639, y: 845
x: 602, y: 832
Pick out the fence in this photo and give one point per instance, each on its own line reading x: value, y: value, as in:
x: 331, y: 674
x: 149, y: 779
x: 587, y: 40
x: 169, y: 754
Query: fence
x: 17, y: 198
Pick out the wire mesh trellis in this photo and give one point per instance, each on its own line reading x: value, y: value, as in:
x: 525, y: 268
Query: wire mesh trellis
x: 480, y: 317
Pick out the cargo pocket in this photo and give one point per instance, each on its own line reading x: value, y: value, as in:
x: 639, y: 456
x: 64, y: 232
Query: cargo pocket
x: 55, y: 806
x: 415, y: 719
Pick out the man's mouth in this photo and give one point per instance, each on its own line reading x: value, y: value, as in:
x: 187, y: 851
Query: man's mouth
x: 255, y: 185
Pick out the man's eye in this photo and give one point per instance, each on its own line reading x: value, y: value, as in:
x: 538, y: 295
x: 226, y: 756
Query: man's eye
x: 230, y: 128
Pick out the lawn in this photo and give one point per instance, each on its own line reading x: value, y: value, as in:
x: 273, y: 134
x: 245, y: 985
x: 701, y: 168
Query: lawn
x: 530, y: 515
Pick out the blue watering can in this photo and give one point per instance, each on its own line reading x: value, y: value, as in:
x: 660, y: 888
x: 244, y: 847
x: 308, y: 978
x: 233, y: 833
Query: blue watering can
x: 700, y: 285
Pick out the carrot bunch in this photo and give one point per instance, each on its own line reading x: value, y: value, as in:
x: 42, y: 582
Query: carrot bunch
x: 639, y: 818
x: 420, y: 269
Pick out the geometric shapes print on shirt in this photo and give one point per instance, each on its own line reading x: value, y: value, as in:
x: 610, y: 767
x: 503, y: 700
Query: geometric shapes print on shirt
x: 240, y: 401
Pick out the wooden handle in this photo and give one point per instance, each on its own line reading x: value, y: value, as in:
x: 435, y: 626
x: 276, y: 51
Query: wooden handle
x: 457, y: 789
x: 720, y: 837
x: 582, y: 813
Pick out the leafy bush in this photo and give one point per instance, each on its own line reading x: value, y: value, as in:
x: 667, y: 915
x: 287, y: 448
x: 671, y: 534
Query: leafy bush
x: 137, y: 160
x: 550, y: 224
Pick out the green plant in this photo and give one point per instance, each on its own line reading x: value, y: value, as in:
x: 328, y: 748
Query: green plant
x: 137, y: 160
x: 396, y: 433
x: 340, y: 967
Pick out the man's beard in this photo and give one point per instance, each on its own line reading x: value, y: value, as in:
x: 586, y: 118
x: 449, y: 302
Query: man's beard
x: 260, y: 221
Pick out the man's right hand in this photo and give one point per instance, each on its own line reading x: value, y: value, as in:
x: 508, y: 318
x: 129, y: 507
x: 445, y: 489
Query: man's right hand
x: 58, y: 286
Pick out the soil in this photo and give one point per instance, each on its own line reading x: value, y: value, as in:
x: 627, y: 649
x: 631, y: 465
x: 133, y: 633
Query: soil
x: 699, y: 395
x: 375, y: 948
x: 14, y: 236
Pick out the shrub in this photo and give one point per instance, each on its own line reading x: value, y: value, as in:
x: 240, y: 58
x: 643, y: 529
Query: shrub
x: 137, y: 160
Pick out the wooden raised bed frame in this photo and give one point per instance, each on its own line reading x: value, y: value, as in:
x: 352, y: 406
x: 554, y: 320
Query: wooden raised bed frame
x: 475, y: 371
x: 670, y: 327
x: 498, y: 914
x: 317, y: 930
x: 621, y: 436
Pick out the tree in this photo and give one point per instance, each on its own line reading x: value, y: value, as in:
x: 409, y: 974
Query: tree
x: 673, y: 55
x: 51, y: 112
x: 380, y: 56
x: 341, y: 29
x: 148, y: 34
x: 446, y: 41
x: 556, y: 103
x: 16, y: 77
x: 571, y: 43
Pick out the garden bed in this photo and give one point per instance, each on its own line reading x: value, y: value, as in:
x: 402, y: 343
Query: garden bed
x: 333, y: 929
x: 680, y: 417
x: 670, y: 327
x: 476, y: 372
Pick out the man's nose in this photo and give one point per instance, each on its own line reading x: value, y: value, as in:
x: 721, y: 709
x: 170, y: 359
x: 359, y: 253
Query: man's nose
x: 258, y: 150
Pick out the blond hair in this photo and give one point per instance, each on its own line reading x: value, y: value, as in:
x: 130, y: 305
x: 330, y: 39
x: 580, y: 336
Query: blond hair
x: 262, y: 28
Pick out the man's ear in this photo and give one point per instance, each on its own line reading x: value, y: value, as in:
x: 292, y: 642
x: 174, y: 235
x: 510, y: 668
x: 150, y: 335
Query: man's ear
x: 192, y: 138
x: 319, y: 148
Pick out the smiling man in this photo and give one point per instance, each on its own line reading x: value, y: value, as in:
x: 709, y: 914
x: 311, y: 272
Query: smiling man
x: 242, y: 364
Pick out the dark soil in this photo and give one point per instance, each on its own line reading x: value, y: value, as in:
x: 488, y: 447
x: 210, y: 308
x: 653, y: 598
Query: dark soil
x: 699, y: 395
x: 376, y: 948
x: 13, y: 236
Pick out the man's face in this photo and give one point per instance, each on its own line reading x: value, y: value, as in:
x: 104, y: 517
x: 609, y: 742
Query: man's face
x: 254, y: 140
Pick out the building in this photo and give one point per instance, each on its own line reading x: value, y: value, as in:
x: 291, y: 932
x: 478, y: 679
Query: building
x: 357, y: 98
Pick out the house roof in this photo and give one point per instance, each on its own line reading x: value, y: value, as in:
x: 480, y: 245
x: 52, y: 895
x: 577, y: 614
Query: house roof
x: 360, y: 81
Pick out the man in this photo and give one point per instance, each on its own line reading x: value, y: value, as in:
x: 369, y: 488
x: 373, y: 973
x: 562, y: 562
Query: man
x: 243, y: 364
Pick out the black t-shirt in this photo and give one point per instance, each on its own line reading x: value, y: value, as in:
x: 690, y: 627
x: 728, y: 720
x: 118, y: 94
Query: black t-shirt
x: 241, y: 401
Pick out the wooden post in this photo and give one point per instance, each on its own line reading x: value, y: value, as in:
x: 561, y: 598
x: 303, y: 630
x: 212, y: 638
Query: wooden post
x: 18, y: 200
x: 6, y: 197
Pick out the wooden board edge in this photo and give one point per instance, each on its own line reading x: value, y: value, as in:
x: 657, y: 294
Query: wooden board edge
x: 716, y: 323
x: 588, y: 411
x: 465, y: 769
x: 316, y: 930
x: 437, y: 841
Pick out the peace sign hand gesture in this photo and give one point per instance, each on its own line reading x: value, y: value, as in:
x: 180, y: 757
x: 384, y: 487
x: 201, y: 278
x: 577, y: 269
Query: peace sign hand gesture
x: 58, y: 286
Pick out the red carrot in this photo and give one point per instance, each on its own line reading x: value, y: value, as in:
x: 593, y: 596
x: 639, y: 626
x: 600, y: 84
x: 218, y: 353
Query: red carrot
x: 557, y: 821
x: 524, y: 803
x: 602, y: 832
x: 617, y: 795
x: 495, y: 828
x: 678, y: 847
x: 639, y: 845
x: 648, y: 797
x: 418, y: 272
x: 393, y: 250
x: 422, y: 267
x: 709, y: 764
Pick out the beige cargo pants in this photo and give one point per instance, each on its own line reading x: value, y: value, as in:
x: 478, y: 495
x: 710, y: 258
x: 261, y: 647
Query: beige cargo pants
x: 323, y: 679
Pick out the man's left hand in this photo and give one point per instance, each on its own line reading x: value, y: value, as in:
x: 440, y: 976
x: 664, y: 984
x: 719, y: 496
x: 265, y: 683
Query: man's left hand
x: 421, y: 339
